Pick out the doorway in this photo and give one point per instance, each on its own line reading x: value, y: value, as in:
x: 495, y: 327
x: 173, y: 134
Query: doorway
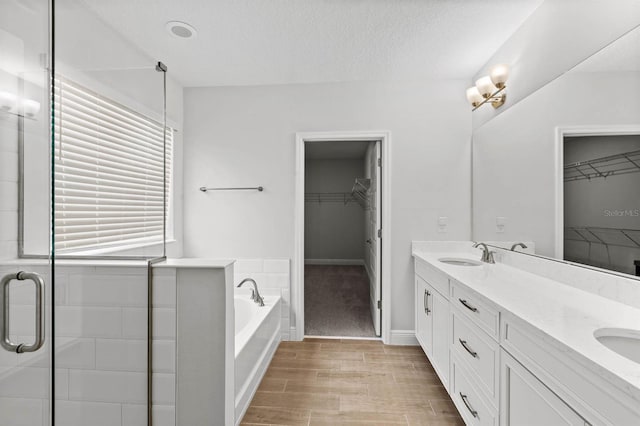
x: 342, y: 248
x: 340, y: 286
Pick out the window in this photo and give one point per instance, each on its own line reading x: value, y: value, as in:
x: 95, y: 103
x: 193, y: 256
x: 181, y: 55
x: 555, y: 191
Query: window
x: 109, y: 180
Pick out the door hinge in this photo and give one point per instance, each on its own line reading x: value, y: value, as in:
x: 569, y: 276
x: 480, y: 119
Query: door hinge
x: 379, y: 304
x: 379, y: 233
x: 379, y: 162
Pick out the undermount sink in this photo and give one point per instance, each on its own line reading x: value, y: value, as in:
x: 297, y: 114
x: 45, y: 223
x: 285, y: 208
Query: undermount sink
x: 622, y: 341
x: 458, y: 261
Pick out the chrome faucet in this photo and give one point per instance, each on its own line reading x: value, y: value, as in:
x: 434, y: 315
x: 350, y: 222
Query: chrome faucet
x: 523, y: 245
x: 487, y: 256
x: 255, y: 294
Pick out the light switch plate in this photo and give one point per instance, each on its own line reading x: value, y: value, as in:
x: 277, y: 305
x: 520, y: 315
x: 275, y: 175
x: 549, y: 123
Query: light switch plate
x: 443, y: 222
x: 500, y: 224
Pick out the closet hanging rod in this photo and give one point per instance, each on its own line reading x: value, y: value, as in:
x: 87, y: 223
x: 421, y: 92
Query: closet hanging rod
x: 256, y: 188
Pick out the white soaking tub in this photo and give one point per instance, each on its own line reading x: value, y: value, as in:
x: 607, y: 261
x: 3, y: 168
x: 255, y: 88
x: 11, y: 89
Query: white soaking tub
x: 257, y: 331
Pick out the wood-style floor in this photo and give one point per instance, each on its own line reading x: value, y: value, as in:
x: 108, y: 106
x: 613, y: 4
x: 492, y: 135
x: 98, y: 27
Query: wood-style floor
x: 350, y: 382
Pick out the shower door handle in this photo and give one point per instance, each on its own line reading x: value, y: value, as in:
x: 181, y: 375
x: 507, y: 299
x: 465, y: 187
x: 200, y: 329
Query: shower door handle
x: 5, y: 339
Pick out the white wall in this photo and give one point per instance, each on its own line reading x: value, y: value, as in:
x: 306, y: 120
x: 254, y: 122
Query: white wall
x: 333, y: 230
x: 237, y: 136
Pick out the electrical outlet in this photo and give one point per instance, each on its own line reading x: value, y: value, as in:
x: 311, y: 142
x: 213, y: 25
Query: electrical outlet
x: 500, y: 224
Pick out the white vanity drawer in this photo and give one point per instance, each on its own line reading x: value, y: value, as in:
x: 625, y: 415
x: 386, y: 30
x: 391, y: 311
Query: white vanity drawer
x: 479, y: 352
x: 476, y: 309
x: 473, y: 407
x: 438, y: 280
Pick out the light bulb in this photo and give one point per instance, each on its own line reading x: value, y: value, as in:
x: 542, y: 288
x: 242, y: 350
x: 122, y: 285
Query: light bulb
x: 30, y: 107
x: 7, y: 101
x: 499, y: 75
x: 474, y: 96
x: 485, y: 86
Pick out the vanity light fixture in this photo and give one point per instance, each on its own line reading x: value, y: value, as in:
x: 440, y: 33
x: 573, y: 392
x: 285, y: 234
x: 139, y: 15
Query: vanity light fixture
x: 12, y: 104
x: 8, y: 101
x: 490, y: 88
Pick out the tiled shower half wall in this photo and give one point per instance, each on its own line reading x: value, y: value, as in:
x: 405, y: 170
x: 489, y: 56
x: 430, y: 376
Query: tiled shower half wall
x: 101, y: 349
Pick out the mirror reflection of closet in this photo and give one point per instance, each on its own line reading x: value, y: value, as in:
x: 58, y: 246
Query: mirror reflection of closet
x: 602, y: 201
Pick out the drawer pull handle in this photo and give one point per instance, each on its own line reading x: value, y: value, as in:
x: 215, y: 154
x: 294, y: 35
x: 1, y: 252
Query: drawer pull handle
x: 473, y: 412
x: 468, y: 306
x: 426, y: 302
x: 464, y: 345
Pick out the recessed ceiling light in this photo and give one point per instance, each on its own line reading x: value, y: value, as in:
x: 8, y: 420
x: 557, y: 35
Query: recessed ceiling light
x: 180, y: 29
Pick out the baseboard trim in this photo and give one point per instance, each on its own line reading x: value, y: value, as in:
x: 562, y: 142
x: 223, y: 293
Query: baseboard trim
x: 346, y: 262
x: 403, y: 338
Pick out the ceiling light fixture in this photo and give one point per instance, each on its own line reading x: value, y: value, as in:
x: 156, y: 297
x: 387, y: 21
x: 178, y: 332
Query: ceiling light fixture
x: 490, y: 88
x: 180, y: 29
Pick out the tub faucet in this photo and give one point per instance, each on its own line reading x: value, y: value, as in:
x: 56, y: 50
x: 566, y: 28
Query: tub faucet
x: 255, y: 294
x: 523, y: 245
x: 487, y: 256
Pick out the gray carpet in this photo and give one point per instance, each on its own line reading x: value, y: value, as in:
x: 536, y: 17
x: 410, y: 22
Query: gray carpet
x: 336, y: 301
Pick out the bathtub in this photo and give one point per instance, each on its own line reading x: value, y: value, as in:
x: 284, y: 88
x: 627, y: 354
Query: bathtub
x: 257, y: 334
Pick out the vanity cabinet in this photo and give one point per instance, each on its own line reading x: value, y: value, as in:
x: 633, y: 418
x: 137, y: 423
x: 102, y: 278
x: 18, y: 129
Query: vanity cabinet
x: 501, y: 370
x: 526, y: 401
x: 432, y: 321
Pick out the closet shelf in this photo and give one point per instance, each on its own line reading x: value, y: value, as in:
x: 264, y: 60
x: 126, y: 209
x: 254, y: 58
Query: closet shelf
x: 603, y: 167
x: 360, y: 192
x: 618, y: 237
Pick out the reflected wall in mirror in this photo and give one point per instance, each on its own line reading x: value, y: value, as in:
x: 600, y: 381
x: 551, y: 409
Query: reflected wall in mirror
x: 519, y: 166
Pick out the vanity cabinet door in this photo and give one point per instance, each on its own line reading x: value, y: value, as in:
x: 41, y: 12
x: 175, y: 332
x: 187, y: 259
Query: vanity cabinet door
x: 440, y: 318
x: 526, y: 401
x: 424, y: 318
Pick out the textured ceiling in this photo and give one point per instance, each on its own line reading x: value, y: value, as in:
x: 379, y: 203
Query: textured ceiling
x: 250, y: 42
x: 336, y: 150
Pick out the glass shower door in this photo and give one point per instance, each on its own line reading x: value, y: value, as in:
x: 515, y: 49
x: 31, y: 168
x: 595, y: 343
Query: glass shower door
x: 25, y: 283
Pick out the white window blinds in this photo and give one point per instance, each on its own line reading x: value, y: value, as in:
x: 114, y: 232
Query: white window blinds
x: 109, y: 180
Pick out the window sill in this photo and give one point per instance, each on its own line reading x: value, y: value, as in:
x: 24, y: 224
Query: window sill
x: 119, y: 250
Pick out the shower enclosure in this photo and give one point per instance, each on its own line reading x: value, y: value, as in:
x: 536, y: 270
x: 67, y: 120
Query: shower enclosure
x: 85, y: 177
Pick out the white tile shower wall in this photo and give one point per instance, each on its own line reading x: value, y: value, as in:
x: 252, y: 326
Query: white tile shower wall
x: 101, y: 348
x: 273, y: 278
x: 8, y: 187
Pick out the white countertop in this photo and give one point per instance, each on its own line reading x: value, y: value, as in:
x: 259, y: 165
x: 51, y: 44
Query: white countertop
x: 569, y: 316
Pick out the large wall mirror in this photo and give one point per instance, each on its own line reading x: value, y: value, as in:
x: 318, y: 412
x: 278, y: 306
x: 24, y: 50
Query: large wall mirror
x: 561, y: 166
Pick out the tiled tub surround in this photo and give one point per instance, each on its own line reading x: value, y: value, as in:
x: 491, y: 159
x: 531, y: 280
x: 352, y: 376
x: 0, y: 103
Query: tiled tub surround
x: 274, y: 279
x: 548, y: 327
x: 101, y: 346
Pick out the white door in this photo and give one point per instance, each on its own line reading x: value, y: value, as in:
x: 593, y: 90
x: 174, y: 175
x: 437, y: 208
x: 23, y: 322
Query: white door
x: 374, y: 243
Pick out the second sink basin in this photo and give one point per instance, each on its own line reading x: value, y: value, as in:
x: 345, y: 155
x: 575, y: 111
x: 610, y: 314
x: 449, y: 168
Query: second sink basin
x: 622, y: 341
x: 459, y: 261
